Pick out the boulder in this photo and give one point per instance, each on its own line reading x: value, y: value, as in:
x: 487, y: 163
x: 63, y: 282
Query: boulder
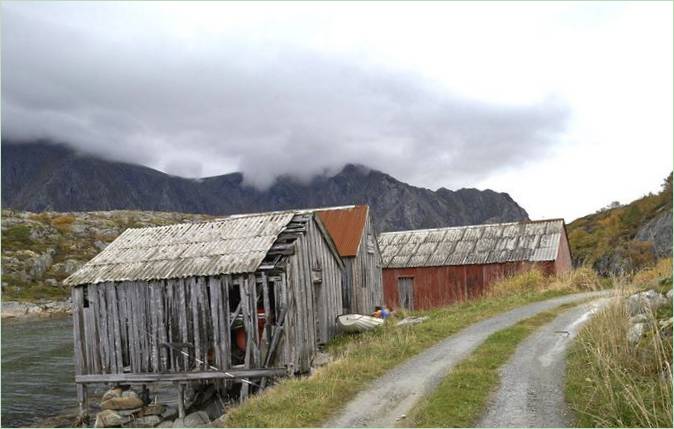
x: 128, y: 401
x: 166, y: 424
x: 640, y: 318
x: 146, y: 422
x: 642, y: 302
x: 41, y: 264
x: 194, y: 420
x: 635, y: 333
x: 152, y: 410
x: 109, y: 419
x: 669, y: 295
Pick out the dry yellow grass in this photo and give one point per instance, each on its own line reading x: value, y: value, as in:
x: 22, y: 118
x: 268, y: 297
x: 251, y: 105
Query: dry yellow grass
x: 534, y: 281
x: 612, y: 383
x: 663, y: 268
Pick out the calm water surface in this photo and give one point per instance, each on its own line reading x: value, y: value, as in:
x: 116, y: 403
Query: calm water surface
x: 37, y: 370
x: 38, y: 374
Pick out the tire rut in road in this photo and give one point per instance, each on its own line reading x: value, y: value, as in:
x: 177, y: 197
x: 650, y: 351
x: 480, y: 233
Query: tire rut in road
x: 396, y: 392
x: 531, y: 393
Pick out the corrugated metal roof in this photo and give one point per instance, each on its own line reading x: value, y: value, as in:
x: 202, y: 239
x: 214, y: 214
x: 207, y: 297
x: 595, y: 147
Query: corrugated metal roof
x: 226, y: 246
x: 474, y: 244
x: 345, y: 225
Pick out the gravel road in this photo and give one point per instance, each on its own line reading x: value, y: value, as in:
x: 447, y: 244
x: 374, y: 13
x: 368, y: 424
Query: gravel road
x: 532, y: 382
x: 391, y: 396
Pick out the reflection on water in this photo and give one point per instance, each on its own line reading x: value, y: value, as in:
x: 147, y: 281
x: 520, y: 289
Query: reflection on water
x: 37, y: 369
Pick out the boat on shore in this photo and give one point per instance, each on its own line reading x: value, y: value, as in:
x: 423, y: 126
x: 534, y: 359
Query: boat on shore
x: 358, y: 322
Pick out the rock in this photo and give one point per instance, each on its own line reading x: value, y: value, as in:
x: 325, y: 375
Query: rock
x: 169, y: 413
x: 115, y: 392
x: 321, y: 359
x: 146, y: 422
x: 51, y: 282
x: 109, y: 419
x: 152, y: 410
x: 166, y: 424
x: 669, y: 295
x: 71, y: 265
x: 643, y: 301
x: 194, y: 420
x: 41, y: 264
x: 640, y: 318
x: 635, y: 333
x: 659, y: 232
x: 128, y: 401
x: 100, y: 245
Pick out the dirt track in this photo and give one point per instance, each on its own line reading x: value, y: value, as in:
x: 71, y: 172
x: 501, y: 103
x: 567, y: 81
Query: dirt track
x: 388, y: 398
x: 532, y: 382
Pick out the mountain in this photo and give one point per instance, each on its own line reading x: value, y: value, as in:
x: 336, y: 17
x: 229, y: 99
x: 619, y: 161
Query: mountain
x: 41, y: 176
x: 621, y: 239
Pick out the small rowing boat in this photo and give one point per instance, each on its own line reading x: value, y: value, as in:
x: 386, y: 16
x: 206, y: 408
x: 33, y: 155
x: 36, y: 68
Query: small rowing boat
x: 358, y: 322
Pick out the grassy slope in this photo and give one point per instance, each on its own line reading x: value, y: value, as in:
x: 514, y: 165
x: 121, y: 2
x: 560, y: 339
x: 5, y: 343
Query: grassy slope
x: 309, y: 401
x: 612, y: 383
x: 599, y: 234
x: 66, y: 237
x: 461, y: 397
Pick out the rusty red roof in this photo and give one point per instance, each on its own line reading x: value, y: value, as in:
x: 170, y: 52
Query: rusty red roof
x: 345, y: 225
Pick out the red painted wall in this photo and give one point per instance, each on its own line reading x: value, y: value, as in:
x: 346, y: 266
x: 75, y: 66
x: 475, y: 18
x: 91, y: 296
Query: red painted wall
x: 439, y: 286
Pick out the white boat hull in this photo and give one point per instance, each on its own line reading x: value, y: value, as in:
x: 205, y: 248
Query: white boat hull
x: 358, y: 322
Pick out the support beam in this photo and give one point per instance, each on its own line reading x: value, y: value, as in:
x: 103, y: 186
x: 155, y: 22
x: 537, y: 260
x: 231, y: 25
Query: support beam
x: 232, y: 374
x: 181, y: 400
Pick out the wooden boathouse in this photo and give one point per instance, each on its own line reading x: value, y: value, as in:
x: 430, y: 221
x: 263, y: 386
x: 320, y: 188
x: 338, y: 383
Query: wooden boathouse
x: 436, y: 267
x: 352, y: 231
x: 237, y: 299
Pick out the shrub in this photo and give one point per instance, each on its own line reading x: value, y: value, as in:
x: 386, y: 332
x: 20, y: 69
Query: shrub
x: 63, y: 222
x: 17, y: 236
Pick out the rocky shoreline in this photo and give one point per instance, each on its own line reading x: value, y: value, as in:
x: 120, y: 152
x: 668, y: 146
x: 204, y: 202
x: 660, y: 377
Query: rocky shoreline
x: 20, y: 310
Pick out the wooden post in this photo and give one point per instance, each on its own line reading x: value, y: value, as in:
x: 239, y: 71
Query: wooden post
x: 181, y: 400
x: 82, y: 401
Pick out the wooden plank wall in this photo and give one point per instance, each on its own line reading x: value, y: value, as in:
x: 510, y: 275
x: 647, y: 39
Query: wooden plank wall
x: 128, y: 324
x: 312, y: 307
x: 363, y: 274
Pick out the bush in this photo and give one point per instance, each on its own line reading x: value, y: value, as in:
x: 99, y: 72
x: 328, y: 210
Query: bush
x: 17, y: 236
x: 63, y: 222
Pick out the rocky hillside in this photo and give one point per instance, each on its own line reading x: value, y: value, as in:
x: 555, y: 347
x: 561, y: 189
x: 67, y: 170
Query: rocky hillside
x: 41, y: 249
x: 46, y: 177
x: 624, y: 238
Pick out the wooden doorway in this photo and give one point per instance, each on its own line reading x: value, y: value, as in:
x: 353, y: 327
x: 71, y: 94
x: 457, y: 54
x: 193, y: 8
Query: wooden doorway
x: 406, y: 292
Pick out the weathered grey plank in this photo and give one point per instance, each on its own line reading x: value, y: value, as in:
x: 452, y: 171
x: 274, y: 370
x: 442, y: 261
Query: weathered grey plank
x: 234, y: 374
x: 78, y: 330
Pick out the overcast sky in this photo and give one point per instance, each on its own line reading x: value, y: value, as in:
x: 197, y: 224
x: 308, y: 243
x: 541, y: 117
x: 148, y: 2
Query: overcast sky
x: 565, y: 106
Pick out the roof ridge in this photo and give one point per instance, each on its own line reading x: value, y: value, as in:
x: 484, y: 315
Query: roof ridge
x: 480, y: 225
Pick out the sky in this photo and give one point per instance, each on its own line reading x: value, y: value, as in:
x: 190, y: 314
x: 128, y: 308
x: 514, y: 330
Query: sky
x: 565, y: 106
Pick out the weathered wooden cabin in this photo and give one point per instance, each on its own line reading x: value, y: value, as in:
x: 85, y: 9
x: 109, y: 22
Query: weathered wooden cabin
x: 236, y: 299
x: 353, y: 233
x: 435, y: 267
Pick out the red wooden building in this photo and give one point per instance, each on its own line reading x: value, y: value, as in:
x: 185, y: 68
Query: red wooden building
x: 434, y: 267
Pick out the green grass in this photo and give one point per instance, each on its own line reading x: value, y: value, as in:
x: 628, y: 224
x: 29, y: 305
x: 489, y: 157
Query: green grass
x: 461, y: 397
x: 359, y: 359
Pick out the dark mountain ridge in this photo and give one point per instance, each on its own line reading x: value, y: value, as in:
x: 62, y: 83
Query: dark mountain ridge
x: 40, y: 176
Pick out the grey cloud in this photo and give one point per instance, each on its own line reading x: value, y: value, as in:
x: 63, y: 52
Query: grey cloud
x: 219, y: 104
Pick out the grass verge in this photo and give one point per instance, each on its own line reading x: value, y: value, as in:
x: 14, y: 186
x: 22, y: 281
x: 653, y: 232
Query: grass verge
x: 461, y: 397
x: 611, y: 382
x: 359, y: 359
